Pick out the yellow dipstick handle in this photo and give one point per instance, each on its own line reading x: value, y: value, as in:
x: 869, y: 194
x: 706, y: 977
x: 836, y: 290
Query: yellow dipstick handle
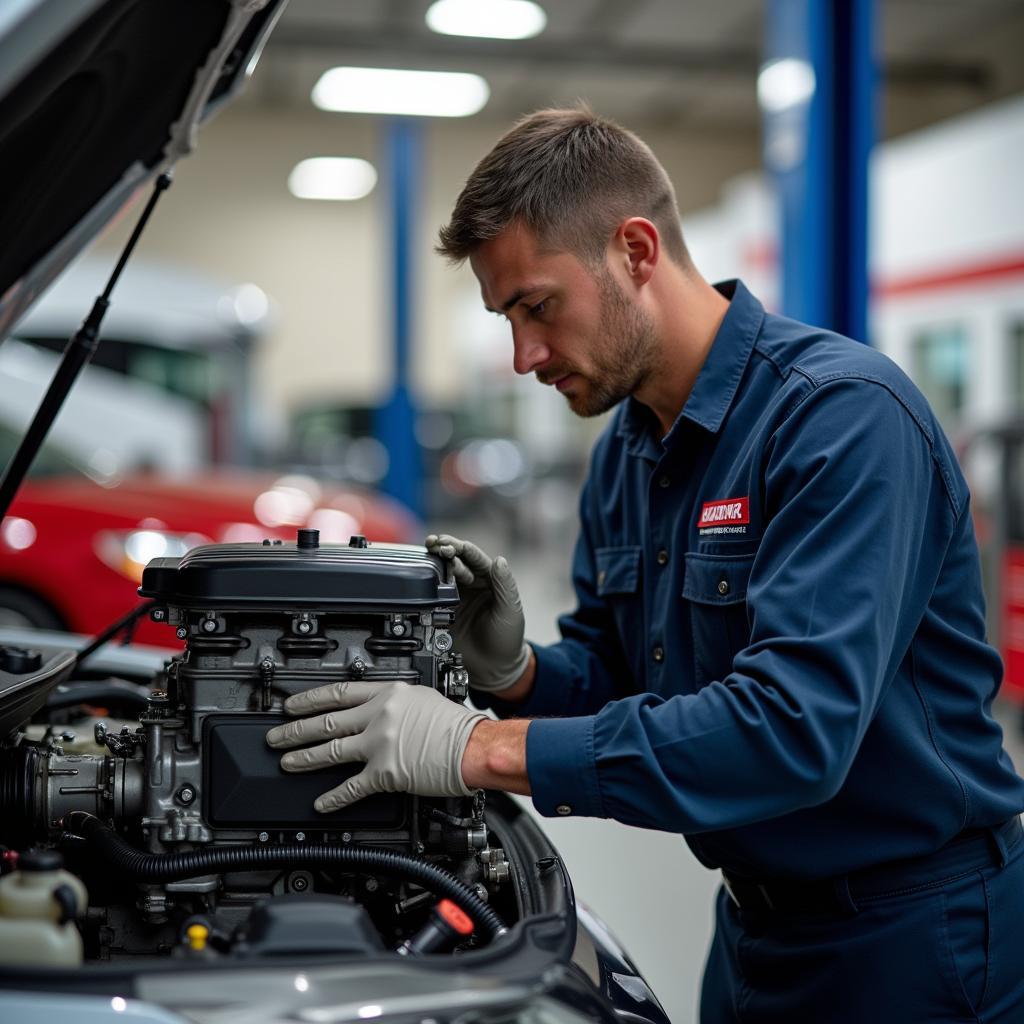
x: 197, y: 935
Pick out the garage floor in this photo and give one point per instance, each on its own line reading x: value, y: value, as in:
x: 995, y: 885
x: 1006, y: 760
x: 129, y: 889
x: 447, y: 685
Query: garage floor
x: 647, y: 886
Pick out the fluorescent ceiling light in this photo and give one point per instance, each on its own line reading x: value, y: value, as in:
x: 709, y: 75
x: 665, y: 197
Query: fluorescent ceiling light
x: 332, y: 177
x: 785, y: 83
x: 489, y: 19
x: 382, y: 91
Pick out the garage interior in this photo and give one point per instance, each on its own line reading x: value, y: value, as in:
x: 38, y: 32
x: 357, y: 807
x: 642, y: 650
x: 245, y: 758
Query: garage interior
x: 362, y: 340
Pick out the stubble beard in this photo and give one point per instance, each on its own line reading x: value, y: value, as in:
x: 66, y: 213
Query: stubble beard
x: 623, y: 355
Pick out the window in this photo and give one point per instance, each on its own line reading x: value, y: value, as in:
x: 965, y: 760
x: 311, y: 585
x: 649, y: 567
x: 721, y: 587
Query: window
x: 1017, y: 366
x: 940, y: 369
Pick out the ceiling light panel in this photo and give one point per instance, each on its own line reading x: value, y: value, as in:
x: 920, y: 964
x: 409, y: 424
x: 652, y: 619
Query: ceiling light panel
x: 786, y: 83
x: 332, y: 177
x: 386, y: 91
x: 487, y: 19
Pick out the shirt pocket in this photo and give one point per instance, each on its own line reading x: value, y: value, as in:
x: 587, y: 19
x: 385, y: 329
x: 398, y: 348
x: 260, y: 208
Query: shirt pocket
x: 716, y: 588
x: 618, y: 584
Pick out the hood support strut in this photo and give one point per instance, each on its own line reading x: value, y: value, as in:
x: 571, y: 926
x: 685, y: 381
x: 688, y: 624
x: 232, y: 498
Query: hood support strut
x: 79, y: 351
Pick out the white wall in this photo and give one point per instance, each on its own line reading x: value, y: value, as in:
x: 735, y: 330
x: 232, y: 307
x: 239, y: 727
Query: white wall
x: 949, y: 195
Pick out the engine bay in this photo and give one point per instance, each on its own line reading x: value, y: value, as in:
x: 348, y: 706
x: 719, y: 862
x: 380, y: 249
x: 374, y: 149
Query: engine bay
x: 179, y: 830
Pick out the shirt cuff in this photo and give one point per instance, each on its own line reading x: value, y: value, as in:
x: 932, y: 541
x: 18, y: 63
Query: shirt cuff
x: 547, y: 698
x: 561, y: 768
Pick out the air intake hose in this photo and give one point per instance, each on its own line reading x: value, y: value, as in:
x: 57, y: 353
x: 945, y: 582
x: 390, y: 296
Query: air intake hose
x: 171, y: 867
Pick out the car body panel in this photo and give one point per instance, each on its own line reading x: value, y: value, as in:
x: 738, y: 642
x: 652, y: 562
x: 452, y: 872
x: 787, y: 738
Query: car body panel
x: 70, y: 516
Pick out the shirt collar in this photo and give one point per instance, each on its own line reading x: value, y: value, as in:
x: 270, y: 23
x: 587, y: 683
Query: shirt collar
x: 715, y: 387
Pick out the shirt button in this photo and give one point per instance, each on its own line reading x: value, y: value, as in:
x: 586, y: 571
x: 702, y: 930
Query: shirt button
x: 563, y: 809
x: 662, y: 557
x: 664, y: 481
x: 601, y: 577
x: 723, y: 587
x: 658, y: 653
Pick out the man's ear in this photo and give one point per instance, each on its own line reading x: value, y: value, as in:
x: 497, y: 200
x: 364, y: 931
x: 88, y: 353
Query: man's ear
x: 639, y: 244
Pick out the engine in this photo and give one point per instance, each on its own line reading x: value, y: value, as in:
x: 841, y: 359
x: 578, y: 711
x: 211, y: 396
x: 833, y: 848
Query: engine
x: 195, y: 779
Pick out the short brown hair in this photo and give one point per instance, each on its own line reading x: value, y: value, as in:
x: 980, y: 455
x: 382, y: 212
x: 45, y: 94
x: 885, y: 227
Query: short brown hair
x: 571, y: 177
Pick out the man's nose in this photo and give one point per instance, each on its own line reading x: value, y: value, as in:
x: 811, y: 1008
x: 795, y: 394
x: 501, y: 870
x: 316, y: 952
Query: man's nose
x: 529, y: 351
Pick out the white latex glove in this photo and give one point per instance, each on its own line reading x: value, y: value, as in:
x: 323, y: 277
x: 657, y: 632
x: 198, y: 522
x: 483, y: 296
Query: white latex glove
x: 411, y: 738
x: 489, y: 623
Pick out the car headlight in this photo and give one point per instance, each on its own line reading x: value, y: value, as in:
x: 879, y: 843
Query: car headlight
x: 129, y: 551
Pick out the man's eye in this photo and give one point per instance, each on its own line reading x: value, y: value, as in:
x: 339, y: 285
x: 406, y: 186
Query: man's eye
x: 538, y: 309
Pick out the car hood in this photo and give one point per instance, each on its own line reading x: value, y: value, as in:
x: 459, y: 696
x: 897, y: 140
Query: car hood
x: 98, y: 97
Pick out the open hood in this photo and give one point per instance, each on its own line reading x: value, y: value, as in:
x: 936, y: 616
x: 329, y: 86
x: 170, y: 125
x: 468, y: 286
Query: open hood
x: 98, y: 97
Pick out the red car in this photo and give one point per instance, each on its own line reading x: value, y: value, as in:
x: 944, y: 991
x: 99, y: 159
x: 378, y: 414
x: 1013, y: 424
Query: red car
x: 74, y: 545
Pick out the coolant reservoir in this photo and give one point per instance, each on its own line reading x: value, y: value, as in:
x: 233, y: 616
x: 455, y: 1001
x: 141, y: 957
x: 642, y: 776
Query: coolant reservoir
x: 38, y: 905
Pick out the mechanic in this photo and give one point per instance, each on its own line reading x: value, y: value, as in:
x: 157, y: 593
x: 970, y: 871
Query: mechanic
x: 779, y: 646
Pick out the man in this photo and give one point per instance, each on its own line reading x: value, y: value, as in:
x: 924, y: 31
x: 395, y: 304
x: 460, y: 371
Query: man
x: 778, y: 649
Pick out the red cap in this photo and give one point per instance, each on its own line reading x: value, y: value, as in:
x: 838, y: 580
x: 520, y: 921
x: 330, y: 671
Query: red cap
x: 455, y: 918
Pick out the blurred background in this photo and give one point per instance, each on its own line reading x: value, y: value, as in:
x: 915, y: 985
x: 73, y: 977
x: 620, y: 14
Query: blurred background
x: 286, y: 350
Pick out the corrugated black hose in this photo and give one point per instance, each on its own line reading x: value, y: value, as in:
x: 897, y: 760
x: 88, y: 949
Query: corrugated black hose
x: 172, y: 867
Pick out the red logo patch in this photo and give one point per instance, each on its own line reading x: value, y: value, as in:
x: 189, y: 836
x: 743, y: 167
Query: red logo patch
x: 728, y: 512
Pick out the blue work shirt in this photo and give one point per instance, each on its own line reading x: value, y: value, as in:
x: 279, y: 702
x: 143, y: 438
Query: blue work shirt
x: 779, y: 646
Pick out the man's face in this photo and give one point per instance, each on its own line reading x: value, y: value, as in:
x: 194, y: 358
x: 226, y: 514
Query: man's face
x: 575, y: 328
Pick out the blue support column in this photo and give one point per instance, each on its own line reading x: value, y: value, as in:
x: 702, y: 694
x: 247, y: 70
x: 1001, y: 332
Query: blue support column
x: 396, y: 419
x: 817, y: 89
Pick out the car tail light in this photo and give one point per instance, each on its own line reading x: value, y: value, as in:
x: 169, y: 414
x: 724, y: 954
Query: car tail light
x: 129, y: 551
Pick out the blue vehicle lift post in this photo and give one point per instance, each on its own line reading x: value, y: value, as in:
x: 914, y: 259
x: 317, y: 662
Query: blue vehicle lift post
x: 819, y: 125
x: 395, y: 422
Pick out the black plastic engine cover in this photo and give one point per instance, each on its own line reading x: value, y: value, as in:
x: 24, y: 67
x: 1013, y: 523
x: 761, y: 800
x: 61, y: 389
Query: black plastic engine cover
x: 332, y: 576
x: 309, y: 926
x: 246, y: 787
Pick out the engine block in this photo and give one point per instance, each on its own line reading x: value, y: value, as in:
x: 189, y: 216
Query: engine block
x: 260, y: 622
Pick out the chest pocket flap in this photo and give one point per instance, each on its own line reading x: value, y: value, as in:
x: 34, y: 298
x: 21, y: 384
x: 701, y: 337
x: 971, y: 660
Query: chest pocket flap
x: 716, y: 579
x: 716, y: 587
x: 618, y: 570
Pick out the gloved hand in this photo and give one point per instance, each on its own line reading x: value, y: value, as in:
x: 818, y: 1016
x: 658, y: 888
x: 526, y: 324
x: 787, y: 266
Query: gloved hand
x: 489, y: 625
x: 411, y: 738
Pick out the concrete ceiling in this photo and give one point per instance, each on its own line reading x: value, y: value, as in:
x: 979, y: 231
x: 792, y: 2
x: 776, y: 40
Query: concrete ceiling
x: 691, y: 63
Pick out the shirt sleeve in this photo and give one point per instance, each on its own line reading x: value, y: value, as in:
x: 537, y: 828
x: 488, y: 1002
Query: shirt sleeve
x: 858, y: 518
x: 587, y: 668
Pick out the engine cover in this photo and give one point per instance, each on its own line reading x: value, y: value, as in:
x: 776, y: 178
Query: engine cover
x: 358, y: 576
x: 245, y: 787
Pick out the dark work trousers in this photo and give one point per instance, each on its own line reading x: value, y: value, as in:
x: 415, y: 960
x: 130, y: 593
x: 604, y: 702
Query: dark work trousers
x: 954, y: 952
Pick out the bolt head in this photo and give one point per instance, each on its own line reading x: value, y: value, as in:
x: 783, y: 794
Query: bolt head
x: 181, y: 632
x: 264, y: 837
x: 300, y: 884
x: 346, y: 837
x: 186, y: 795
x: 305, y: 627
x: 158, y: 614
x: 398, y: 629
x: 300, y: 837
x: 209, y: 625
